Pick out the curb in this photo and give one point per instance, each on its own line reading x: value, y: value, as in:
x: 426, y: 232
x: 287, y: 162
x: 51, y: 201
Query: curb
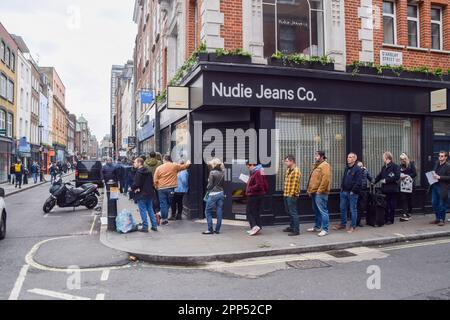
x: 230, y: 257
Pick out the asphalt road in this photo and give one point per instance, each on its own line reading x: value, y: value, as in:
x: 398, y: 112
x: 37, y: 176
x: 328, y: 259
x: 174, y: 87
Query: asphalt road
x: 406, y: 271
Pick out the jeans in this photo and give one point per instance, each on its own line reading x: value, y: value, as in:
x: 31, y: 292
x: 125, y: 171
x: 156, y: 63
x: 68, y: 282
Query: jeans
x: 254, y: 206
x: 391, y: 202
x: 34, y: 175
x: 291, y: 206
x: 346, y: 199
x: 177, y: 205
x: 320, y: 208
x: 13, y: 179
x: 165, y: 201
x: 146, y: 207
x: 19, y: 180
x: 214, y: 202
x: 439, y: 205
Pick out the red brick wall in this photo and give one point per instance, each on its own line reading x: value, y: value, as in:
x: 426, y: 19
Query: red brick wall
x: 231, y: 31
x: 192, y: 28
x: 411, y: 57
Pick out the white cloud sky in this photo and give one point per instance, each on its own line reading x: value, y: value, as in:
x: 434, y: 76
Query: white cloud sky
x: 82, y: 39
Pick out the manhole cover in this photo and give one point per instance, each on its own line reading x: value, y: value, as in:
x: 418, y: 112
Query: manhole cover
x: 307, y: 264
x: 341, y: 254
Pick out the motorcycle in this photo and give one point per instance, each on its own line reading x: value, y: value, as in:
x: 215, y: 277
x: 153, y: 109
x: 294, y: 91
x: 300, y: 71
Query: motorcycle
x: 65, y: 195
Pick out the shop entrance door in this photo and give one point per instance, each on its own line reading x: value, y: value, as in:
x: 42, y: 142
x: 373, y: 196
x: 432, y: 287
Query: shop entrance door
x: 235, y: 201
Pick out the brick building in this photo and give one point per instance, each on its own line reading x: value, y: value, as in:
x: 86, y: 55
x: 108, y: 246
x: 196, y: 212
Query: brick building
x: 348, y: 104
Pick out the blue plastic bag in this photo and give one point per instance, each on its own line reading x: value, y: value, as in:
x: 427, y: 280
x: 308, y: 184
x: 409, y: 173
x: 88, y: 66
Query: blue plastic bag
x: 125, y: 222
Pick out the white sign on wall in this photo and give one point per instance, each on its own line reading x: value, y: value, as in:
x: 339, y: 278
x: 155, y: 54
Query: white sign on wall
x: 178, y: 98
x: 439, y: 100
x: 391, y: 58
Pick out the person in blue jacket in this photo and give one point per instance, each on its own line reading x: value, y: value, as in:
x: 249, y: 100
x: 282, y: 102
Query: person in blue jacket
x: 180, y: 191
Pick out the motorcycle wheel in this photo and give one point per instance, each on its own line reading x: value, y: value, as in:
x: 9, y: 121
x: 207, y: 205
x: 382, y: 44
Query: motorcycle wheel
x: 49, y: 205
x: 91, y: 202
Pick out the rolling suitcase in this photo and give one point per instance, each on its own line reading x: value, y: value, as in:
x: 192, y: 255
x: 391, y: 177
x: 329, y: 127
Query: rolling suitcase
x: 377, y: 208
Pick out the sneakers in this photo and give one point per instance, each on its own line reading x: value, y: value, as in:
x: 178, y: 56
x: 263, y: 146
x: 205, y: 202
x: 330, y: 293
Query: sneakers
x: 339, y: 227
x: 323, y: 233
x: 255, y: 231
x: 165, y: 222
x: 441, y: 223
x: 207, y: 233
x: 294, y: 234
x: 351, y: 230
x: 288, y: 229
x: 405, y: 217
x: 314, y: 230
x: 155, y: 229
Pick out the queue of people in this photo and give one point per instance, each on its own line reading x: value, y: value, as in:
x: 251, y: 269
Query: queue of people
x: 157, y: 184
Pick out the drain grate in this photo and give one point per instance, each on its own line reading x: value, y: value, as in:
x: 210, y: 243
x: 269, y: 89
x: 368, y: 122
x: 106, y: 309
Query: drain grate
x: 341, y: 254
x: 307, y: 264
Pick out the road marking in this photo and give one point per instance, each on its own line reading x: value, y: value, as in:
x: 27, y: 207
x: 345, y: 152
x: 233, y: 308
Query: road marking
x: 57, y: 295
x: 105, y: 275
x: 100, y: 296
x: 29, y: 258
x: 415, y: 245
x: 93, y: 225
x: 19, y: 283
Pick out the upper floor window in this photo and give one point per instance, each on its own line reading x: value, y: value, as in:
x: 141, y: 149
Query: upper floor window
x: 413, y: 26
x: 2, y: 119
x: 8, y: 57
x: 389, y: 22
x: 10, y: 91
x: 3, y: 85
x: 436, y: 28
x: 293, y: 26
x: 13, y: 62
x: 2, y: 50
x: 9, y: 125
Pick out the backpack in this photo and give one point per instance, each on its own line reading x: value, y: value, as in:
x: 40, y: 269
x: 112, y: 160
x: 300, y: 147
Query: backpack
x: 18, y: 168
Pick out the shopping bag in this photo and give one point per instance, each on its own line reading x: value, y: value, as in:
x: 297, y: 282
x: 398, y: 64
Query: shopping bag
x: 125, y: 222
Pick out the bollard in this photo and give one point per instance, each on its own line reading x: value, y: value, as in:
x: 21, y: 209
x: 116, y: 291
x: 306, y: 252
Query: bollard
x: 112, y: 195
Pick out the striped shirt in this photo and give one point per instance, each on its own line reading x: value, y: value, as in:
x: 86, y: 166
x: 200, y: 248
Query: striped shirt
x: 292, y: 182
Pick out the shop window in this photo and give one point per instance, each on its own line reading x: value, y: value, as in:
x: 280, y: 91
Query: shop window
x: 389, y: 22
x: 441, y: 127
x: 436, y: 28
x: 302, y: 135
x: 396, y: 135
x: 181, y: 141
x: 165, y: 141
x: 413, y: 26
x: 293, y: 26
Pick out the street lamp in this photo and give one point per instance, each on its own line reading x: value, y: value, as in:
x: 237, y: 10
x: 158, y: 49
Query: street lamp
x: 41, y: 128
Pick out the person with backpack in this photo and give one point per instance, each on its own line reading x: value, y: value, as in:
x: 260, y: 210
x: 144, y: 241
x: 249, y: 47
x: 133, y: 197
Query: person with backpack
x: 144, y: 193
x: 152, y: 162
x: 214, y: 197
x: 408, y: 173
x: 389, y: 177
x: 257, y: 188
x: 19, y: 172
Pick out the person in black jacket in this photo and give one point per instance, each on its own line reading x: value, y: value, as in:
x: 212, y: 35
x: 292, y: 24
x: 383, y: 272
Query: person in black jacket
x: 389, y: 177
x: 440, y: 189
x: 144, y: 193
x: 350, y: 189
x: 109, y: 172
x: 363, y: 200
x: 408, y: 173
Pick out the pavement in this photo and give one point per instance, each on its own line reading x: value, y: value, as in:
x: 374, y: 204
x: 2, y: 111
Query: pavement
x: 181, y: 242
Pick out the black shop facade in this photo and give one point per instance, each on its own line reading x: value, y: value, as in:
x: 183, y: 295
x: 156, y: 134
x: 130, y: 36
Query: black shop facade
x: 283, y: 111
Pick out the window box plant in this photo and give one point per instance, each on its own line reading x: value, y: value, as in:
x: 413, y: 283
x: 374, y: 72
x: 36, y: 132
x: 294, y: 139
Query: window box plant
x: 302, y: 61
x: 237, y: 56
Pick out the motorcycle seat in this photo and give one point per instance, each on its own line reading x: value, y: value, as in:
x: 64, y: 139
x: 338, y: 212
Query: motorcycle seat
x: 77, y: 191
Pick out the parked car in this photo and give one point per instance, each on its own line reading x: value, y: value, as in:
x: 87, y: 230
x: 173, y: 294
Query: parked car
x: 3, y: 214
x: 88, y: 171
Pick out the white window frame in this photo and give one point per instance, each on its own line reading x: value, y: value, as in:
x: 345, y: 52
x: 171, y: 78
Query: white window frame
x: 310, y: 18
x: 417, y: 21
x: 9, y: 125
x: 441, y: 34
x: 2, y: 119
x: 394, y: 17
